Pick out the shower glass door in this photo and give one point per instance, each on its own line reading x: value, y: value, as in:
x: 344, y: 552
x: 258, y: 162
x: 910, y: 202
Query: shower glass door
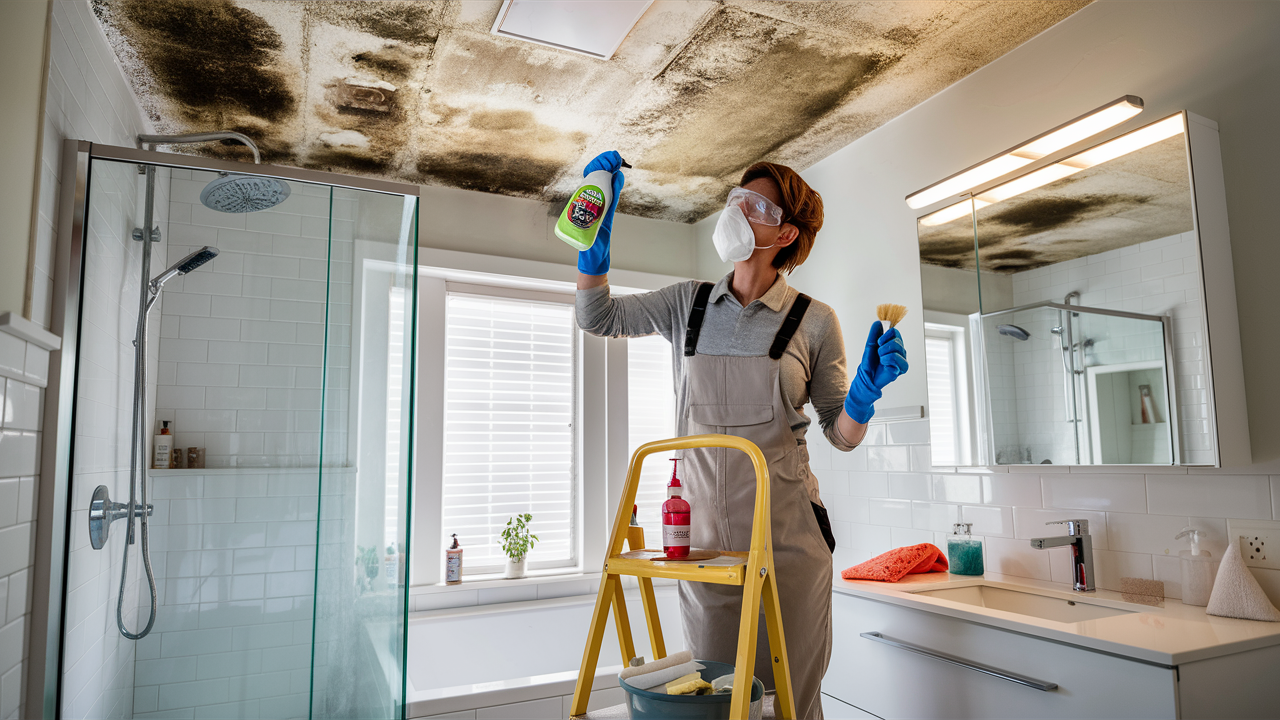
x: 286, y: 363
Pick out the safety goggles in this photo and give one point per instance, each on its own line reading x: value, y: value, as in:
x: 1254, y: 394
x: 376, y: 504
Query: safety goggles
x: 758, y: 208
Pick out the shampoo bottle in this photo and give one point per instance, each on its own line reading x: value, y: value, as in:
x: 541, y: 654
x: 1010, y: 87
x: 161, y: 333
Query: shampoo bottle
x: 1198, y: 569
x: 580, y: 220
x: 162, y: 447
x: 675, y: 519
x: 453, y: 563
x: 964, y: 552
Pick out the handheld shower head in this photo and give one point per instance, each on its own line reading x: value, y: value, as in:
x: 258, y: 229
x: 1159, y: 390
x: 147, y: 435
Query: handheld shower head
x: 184, y: 266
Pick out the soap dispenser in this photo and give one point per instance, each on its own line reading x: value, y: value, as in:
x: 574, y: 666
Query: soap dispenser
x: 1198, y: 569
x: 964, y: 552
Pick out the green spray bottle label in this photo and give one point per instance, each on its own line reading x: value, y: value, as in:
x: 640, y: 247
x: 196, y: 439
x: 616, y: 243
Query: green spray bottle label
x: 580, y: 220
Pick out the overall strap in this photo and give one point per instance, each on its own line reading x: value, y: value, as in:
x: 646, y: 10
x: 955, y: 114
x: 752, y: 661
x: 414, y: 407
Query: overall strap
x: 695, y: 318
x: 794, y: 316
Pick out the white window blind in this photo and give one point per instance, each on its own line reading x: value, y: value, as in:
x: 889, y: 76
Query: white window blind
x: 651, y: 414
x: 940, y: 373
x: 395, y: 405
x: 509, y: 439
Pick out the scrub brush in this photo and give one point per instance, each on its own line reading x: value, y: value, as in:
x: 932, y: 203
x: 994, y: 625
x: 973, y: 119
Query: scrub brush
x: 890, y: 315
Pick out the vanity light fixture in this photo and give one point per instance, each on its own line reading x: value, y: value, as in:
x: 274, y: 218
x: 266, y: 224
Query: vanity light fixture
x: 1065, y: 135
x: 1110, y: 150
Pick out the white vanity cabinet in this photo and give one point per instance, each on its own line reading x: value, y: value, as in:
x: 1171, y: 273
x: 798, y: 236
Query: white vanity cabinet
x: 891, y: 682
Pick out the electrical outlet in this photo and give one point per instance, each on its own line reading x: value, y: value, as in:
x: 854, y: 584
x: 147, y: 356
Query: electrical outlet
x: 1259, y: 542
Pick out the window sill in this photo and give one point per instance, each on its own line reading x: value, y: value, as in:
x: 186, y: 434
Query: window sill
x: 496, y: 580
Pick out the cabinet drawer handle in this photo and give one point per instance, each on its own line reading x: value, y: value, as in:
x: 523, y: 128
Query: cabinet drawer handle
x: 984, y: 669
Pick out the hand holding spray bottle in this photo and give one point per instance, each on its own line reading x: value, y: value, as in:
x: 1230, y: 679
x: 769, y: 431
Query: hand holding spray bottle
x: 589, y: 208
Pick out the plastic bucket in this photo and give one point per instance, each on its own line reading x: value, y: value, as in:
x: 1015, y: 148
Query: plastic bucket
x: 645, y: 704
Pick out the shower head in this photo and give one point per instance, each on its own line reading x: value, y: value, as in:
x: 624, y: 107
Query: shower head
x: 243, y: 193
x: 1013, y: 331
x: 184, y: 266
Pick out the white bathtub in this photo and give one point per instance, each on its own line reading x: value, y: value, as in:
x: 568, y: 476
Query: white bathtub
x: 520, y: 659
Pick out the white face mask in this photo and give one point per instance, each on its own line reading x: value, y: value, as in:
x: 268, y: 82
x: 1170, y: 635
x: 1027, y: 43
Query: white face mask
x: 733, y: 237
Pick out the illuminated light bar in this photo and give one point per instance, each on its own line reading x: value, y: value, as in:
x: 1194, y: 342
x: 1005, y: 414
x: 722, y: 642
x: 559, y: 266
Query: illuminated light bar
x: 1065, y: 135
x: 1110, y: 150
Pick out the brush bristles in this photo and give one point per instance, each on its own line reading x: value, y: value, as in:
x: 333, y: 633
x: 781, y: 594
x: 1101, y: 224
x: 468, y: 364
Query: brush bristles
x: 891, y: 313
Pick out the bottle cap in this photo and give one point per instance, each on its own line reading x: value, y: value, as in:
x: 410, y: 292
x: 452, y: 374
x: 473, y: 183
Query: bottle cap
x: 962, y: 528
x: 455, y: 544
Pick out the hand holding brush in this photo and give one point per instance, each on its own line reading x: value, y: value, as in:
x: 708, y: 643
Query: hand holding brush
x: 883, y: 359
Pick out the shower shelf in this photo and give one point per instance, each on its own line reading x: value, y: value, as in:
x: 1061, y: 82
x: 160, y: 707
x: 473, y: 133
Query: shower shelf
x: 177, y: 472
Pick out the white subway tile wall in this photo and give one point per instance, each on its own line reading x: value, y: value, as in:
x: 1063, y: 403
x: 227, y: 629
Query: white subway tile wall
x: 240, y: 366
x: 20, y: 410
x: 1133, y: 512
x: 86, y: 98
x: 234, y: 555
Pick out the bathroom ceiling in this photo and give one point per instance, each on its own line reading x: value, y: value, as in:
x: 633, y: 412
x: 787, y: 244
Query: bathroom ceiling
x: 421, y: 91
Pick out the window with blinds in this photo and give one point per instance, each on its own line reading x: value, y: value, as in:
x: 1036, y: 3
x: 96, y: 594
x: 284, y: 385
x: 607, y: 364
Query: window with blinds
x: 651, y: 414
x: 940, y: 373
x: 509, y: 436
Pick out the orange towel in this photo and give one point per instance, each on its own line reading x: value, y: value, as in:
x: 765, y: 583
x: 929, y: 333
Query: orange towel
x: 898, y: 563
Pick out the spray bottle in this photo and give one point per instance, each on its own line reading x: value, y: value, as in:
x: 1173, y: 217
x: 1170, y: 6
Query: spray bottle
x: 580, y: 220
x: 675, y: 519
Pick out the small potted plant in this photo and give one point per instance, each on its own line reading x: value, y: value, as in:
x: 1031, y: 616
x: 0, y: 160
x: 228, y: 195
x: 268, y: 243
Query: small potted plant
x: 516, y: 544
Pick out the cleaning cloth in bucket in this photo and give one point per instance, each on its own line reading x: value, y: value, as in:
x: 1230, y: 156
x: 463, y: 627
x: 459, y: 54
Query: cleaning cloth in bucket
x: 661, y: 672
x: 898, y: 563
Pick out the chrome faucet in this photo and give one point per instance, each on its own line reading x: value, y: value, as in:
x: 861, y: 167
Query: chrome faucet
x: 1081, y: 551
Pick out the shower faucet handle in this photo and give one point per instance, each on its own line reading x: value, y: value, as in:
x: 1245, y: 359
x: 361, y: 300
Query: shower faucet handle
x: 103, y: 512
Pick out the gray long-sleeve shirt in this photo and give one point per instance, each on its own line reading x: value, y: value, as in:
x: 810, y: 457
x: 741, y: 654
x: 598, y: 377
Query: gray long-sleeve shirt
x: 813, y: 367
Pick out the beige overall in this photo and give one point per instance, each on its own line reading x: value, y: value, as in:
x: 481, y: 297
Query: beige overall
x: 742, y: 396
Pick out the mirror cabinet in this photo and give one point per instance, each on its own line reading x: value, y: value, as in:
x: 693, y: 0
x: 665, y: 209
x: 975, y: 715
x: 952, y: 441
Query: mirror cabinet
x: 1084, y: 313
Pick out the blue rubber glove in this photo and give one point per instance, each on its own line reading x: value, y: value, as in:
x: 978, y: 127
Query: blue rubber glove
x: 595, y: 259
x: 883, y: 360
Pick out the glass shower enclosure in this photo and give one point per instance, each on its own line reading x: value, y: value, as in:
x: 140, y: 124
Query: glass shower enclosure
x: 281, y: 372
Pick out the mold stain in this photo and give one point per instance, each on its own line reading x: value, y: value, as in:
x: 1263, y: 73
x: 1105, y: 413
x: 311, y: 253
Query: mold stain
x: 1048, y: 213
x: 387, y: 63
x: 790, y: 81
x: 210, y: 56
x: 491, y: 172
x: 407, y: 22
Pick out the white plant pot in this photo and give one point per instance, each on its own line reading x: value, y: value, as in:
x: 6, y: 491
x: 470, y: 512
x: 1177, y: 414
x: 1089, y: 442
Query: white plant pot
x: 515, y: 568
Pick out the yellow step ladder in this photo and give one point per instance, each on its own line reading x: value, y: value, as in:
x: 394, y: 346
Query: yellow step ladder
x: 753, y: 570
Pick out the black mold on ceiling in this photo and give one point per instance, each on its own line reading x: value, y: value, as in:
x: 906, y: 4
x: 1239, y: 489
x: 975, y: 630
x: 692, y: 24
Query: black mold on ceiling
x: 1142, y: 196
x: 421, y: 91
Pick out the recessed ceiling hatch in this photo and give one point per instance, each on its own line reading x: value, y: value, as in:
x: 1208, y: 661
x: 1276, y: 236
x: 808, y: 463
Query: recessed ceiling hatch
x: 589, y: 27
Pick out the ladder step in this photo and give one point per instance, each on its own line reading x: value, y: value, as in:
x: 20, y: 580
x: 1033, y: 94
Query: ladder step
x: 727, y: 569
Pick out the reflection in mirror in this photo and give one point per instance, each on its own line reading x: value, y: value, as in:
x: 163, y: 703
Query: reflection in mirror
x: 1080, y: 281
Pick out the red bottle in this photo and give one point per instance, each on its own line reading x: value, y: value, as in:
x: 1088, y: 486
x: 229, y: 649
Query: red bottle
x: 675, y: 519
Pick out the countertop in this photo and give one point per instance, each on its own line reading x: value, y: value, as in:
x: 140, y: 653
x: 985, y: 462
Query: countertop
x: 1169, y: 635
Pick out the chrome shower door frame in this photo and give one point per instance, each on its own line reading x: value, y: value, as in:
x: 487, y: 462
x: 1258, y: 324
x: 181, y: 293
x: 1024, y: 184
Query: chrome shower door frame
x: 53, y: 510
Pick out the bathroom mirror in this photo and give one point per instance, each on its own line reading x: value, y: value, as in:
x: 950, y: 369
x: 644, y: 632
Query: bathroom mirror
x: 1065, y: 312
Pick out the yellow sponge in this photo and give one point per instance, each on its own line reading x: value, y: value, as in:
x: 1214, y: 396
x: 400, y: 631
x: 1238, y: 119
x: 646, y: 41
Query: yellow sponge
x: 687, y: 685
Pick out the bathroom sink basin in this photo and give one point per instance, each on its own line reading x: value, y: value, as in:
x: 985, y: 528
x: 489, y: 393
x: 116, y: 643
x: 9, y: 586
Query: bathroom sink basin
x: 1045, y: 607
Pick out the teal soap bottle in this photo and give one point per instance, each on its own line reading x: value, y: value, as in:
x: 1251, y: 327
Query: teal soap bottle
x: 964, y: 552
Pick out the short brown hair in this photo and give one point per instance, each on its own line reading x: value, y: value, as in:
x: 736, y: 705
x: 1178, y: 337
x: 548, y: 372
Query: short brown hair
x: 801, y: 206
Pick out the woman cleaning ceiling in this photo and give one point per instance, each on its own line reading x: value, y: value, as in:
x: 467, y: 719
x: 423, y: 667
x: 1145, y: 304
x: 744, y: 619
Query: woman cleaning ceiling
x: 749, y: 352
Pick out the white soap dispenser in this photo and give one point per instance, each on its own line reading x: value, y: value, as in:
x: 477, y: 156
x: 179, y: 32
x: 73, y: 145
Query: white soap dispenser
x: 1198, y: 569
